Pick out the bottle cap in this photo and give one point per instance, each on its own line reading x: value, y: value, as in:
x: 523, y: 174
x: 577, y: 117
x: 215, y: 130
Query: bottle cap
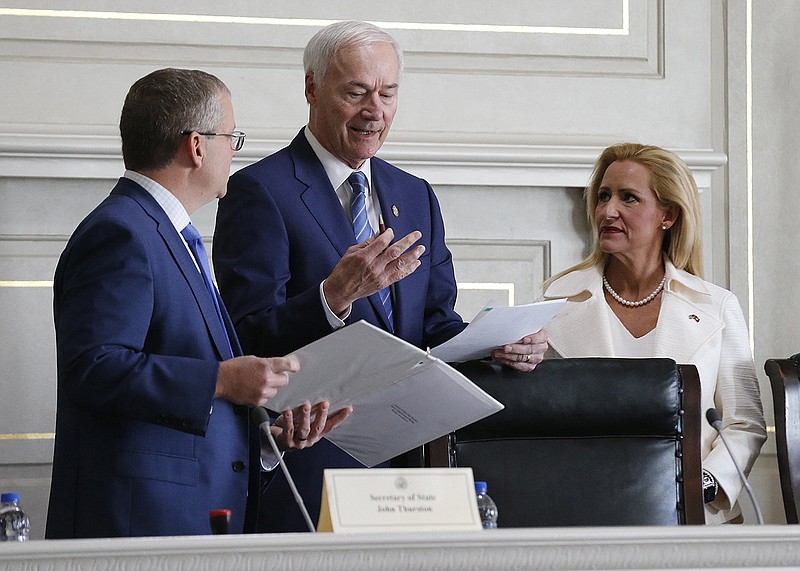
x: 220, y: 521
x: 9, y: 497
x: 480, y: 487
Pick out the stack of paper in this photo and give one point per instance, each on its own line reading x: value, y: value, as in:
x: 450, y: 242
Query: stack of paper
x: 402, y: 397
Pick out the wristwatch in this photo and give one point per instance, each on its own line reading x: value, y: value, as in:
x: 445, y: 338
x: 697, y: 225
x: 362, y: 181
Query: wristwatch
x: 710, y: 487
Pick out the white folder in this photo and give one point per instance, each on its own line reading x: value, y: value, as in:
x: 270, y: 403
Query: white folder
x: 402, y: 397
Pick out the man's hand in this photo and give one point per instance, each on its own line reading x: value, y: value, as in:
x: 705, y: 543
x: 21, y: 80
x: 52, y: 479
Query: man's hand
x: 369, y: 267
x: 252, y: 380
x: 525, y: 354
x: 306, y: 425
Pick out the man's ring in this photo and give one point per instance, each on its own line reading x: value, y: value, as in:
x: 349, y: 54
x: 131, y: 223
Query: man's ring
x: 301, y: 438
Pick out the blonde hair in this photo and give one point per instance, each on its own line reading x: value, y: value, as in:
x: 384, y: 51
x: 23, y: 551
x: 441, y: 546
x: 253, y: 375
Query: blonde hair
x: 673, y: 184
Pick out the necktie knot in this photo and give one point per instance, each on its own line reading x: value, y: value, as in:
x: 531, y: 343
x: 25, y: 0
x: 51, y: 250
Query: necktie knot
x: 190, y: 233
x: 358, y: 182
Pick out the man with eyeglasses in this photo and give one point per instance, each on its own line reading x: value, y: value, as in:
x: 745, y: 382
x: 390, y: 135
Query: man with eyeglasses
x: 323, y: 233
x: 152, y: 428
x: 237, y: 137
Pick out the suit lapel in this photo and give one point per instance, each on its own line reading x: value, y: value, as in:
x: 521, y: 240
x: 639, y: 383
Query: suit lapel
x: 320, y: 197
x: 582, y: 329
x: 186, y: 264
x: 323, y: 204
x: 391, y: 199
x: 683, y: 327
x: 231, y: 330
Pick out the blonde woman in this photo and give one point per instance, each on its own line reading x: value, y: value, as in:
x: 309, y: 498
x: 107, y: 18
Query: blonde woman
x: 640, y: 293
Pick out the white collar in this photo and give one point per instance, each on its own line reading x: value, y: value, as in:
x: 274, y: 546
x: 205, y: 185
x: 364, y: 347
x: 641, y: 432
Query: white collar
x: 168, y: 202
x: 586, y: 281
x: 336, y: 170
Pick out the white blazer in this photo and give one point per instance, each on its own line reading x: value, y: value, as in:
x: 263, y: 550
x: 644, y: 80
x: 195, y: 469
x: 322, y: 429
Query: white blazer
x: 699, y: 323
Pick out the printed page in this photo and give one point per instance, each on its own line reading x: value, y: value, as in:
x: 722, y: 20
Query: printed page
x: 497, y: 326
x: 428, y: 403
x: 401, y: 396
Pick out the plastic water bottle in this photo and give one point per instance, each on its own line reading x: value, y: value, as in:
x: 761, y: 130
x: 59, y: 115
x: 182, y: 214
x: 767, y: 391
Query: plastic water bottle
x: 14, y: 524
x: 486, y: 506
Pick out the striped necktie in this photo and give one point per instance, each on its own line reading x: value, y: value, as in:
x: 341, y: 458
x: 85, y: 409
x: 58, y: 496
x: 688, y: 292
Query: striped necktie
x: 363, y: 230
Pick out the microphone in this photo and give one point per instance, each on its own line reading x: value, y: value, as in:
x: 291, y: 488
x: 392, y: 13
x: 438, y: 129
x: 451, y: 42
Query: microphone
x: 715, y: 420
x: 261, y: 419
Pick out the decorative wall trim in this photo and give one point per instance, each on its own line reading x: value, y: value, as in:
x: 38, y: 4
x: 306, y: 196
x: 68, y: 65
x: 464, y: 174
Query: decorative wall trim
x: 31, y: 154
x: 615, y: 38
x: 506, y: 272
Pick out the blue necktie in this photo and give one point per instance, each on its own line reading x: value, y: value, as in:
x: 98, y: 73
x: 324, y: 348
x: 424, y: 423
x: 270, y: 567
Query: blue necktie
x: 363, y: 230
x: 195, y: 242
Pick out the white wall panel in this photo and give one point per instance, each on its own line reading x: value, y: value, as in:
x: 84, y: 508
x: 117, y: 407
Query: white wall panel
x: 505, y: 108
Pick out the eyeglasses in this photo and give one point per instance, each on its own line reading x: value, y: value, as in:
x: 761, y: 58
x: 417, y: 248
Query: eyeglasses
x: 237, y: 137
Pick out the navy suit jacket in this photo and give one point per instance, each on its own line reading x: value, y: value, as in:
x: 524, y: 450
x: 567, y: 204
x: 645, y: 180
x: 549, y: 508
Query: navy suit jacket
x: 280, y: 231
x: 142, y: 447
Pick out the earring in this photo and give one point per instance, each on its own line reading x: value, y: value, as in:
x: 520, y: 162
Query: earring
x: 663, y: 226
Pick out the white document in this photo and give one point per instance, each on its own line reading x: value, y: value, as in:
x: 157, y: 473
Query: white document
x: 497, y: 326
x: 402, y: 397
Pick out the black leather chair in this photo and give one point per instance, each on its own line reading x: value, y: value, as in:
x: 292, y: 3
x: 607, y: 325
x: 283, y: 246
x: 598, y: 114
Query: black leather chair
x: 594, y: 441
x: 783, y: 379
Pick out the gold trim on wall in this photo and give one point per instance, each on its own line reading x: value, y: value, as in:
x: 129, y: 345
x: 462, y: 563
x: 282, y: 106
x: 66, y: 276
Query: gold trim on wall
x: 623, y: 30
x: 29, y: 436
x: 26, y: 283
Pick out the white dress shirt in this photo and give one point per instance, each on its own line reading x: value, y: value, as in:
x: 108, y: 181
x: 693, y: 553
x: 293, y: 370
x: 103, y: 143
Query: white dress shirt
x: 338, y: 172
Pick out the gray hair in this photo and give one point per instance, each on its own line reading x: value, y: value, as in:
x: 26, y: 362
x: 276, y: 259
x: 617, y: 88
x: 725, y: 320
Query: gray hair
x: 323, y: 46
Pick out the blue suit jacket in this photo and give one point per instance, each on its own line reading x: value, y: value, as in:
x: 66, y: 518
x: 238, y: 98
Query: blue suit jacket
x: 280, y: 231
x: 139, y: 449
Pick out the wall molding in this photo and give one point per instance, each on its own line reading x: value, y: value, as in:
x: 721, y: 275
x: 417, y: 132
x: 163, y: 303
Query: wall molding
x: 467, y: 161
x: 501, y: 271
x: 616, y: 38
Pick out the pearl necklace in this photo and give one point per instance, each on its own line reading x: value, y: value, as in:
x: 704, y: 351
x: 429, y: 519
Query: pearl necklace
x: 639, y: 303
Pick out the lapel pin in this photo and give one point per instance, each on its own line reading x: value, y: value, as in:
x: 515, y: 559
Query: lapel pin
x: 395, y: 210
x: 693, y: 316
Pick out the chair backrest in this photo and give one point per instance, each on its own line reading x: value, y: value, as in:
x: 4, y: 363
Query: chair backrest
x: 783, y: 379
x: 594, y: 441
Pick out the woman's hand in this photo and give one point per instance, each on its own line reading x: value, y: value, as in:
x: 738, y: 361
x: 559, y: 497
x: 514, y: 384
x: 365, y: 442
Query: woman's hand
x: 525, y: 354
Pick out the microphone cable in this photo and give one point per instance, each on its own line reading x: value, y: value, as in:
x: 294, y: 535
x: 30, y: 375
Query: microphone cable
x: 261, y: 417
x: 714, y: 419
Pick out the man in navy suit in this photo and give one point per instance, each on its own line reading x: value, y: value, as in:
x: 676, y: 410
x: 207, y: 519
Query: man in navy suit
x: 152, y: 426
x: 289, y: 250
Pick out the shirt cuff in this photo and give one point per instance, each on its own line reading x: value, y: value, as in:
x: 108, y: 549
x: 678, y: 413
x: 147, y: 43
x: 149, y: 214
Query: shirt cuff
x: 333, y: 320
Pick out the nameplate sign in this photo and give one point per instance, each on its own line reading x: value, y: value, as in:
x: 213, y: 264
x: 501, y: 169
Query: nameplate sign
x: 395, y: 500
